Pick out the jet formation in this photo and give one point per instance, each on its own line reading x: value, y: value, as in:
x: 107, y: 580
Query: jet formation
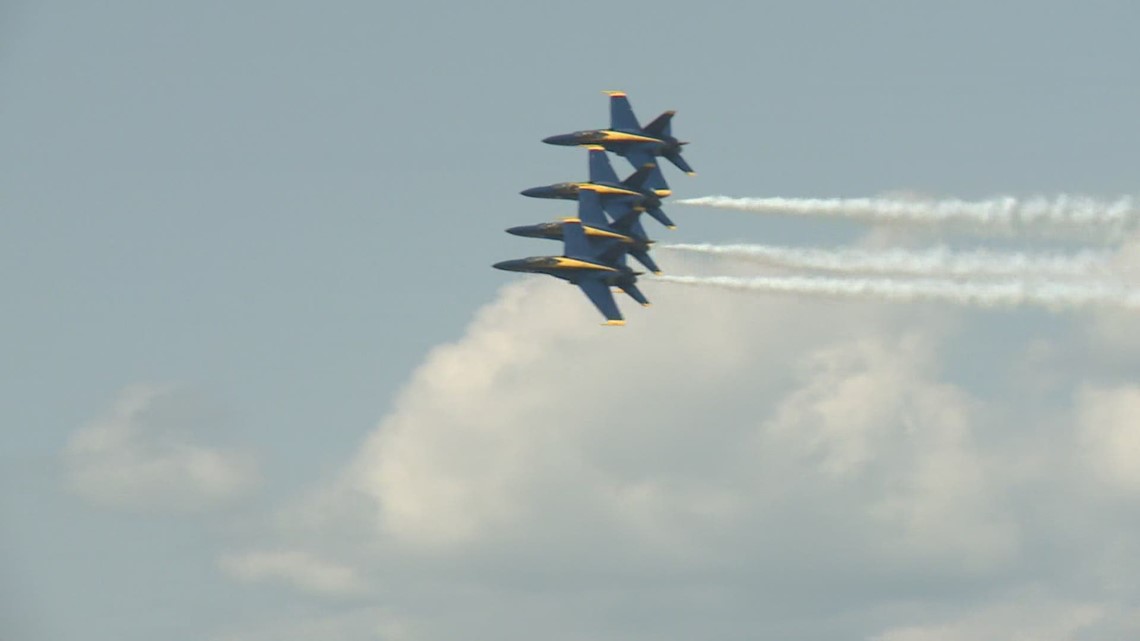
x: 607, y: 229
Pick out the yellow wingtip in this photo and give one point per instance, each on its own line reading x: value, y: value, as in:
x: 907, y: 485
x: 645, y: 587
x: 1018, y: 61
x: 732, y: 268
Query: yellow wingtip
x: 647, y: 304
x: 614, y: 323
x: 672, y: 227
x: 594, y: 147
x: 614, y: 94
x: 691, y: 173
x: 663, y: 192
x: 658, y: 273
x: 571, y: 220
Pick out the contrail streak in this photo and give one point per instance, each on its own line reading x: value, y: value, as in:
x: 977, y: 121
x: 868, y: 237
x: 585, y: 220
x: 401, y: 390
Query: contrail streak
x: 938, y: 261
x: 1050, y: 295
x: 1006, y: 213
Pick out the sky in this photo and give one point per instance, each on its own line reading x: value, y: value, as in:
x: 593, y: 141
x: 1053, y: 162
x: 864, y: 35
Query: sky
x: 260, y: 381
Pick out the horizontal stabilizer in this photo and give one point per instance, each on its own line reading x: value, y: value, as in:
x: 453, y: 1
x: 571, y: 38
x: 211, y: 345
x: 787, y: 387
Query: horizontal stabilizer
x: 660, y: 217
x: 635, y: 293
x: 644, y: 258
x: 675, y: 158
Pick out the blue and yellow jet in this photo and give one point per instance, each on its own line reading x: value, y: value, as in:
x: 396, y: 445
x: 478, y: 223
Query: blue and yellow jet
x: 618, y: 197
x: 625, y: 234
x: 628, y: 139
x: 583, y: 263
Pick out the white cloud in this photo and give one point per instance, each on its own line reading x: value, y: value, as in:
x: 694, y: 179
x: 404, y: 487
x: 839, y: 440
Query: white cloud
x: 870, y: 417
x: 724, y: 463
x: 140, y: 456
x: 1109, y: 430
x: 655, y: 437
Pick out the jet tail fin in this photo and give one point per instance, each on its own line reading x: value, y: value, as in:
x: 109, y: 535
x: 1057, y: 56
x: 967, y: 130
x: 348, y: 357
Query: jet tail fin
x: 630, y: 225
x: 637, y: 179
x: 627, y: 223
x: 661, y: 126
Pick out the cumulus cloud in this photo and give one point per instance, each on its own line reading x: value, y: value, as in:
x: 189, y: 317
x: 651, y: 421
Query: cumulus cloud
x: 142, y: 455
x: 728, y: 466
x: 1109, y: 431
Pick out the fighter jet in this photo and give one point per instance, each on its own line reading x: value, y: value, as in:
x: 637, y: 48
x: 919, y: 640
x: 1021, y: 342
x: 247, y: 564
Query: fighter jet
x: 625, y: 235
x: 628, y: 139
x: 581, y: 264
x: 617, y: 197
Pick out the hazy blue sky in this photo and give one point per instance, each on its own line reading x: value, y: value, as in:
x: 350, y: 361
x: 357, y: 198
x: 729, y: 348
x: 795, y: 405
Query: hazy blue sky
x: 260, y: 381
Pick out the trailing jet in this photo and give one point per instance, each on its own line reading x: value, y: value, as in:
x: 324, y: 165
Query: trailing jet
x: 618, y: 197
x: 624, y: 235
x: 628, y: 139
x: 582, y: 264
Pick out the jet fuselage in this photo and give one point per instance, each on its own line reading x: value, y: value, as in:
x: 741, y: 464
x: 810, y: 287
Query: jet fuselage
x: 569, y: 191
x: 573, y: 270
x: 553, y: 231
x: 618, y: 142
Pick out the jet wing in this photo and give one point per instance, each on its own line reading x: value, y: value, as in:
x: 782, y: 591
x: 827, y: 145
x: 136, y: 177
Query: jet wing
x: 576, y: 244
x: 590, y: 210
x: 574, y: 241
x: 601, y: 171
x: 600, y: 295
x: 638, y: 155
x: 621, y: 113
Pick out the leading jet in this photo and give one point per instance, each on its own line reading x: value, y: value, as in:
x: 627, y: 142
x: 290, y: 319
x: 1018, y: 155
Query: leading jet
x: 624, y: 235
x: 628, y: 139
x: 581, y: 264
x: 618, y: 197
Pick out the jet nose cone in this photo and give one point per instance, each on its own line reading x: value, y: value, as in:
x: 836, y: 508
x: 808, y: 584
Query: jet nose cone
x: 506, y: 265
x: 518, y: 231
x: 536, y: 192
x: 561, y: 139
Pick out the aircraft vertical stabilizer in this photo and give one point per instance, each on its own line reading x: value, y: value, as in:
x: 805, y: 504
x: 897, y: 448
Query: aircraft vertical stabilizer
x: 661, y: 127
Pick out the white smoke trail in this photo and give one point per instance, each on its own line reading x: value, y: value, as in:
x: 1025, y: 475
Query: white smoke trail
x: 937, y: 261
x: 1008, y: 294
x: 1006, y: 213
